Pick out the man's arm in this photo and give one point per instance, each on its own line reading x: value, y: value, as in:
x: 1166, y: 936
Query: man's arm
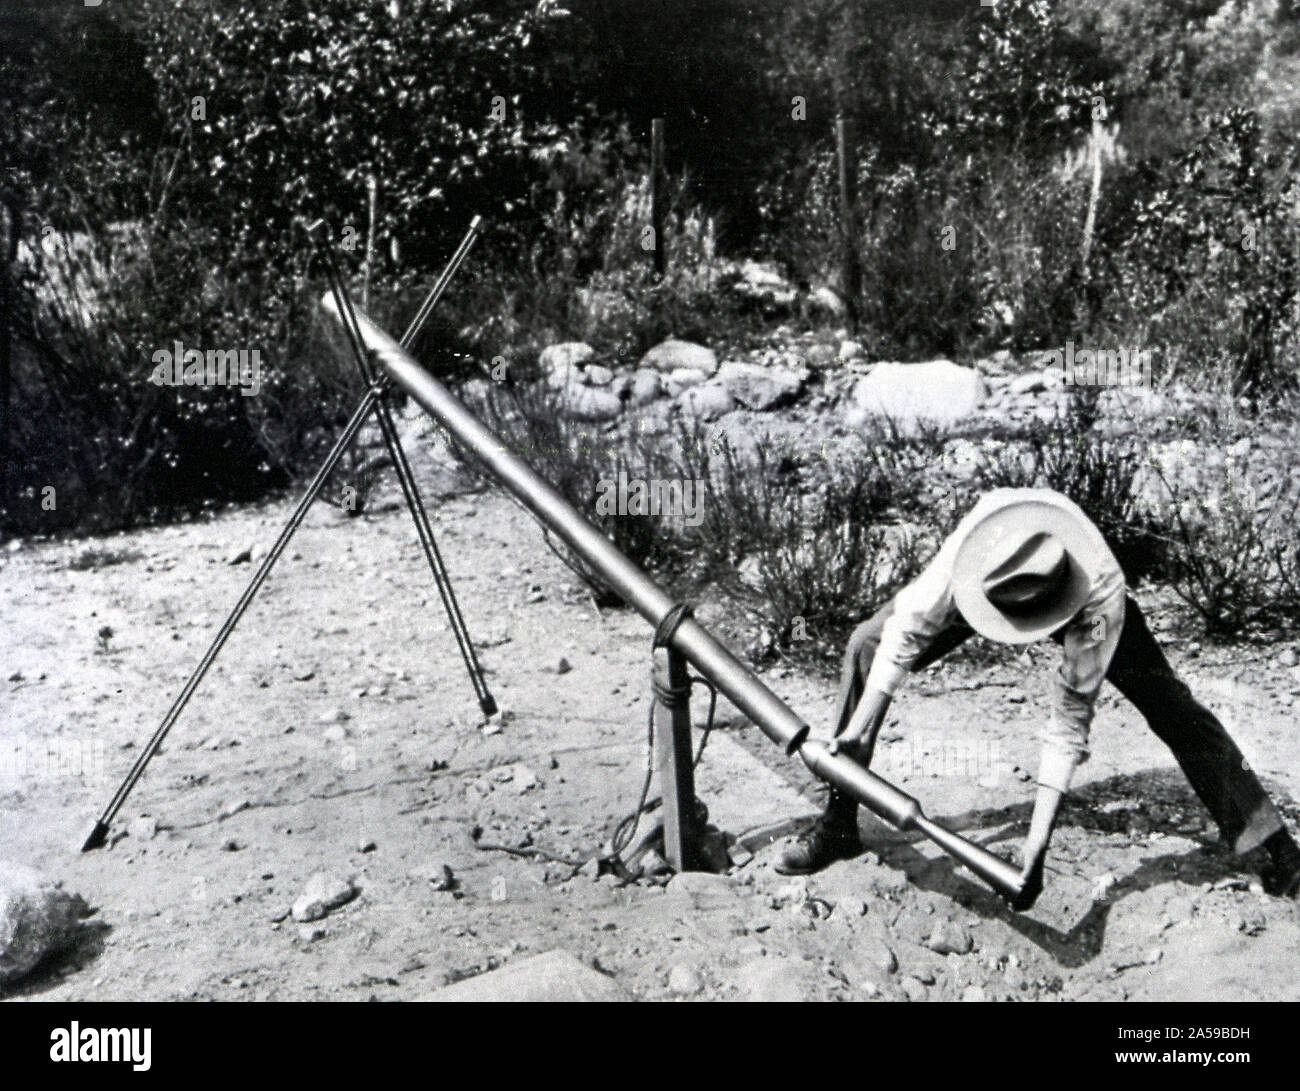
x: 859, y: 736
x: 921, y: 609
x: 1088, y: 645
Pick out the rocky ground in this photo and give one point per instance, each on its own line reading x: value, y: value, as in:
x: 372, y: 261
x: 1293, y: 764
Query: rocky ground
x: 307, y: 830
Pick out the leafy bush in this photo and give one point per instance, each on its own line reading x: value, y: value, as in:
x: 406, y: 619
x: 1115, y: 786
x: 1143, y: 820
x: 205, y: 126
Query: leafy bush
x: 1234, y: 557
x: 1205, y: 259
x: 302, y: 102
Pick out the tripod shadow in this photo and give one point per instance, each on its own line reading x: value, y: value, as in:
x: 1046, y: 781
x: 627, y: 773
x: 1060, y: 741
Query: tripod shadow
x: 1157, y: 801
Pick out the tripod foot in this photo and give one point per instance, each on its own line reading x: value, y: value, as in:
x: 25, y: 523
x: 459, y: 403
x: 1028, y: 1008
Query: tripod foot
x: 488, y: 704
x: 98, y: 837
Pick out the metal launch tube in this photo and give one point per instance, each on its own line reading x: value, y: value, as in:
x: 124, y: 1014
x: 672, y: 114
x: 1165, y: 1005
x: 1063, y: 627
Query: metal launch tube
x: 710, y: 658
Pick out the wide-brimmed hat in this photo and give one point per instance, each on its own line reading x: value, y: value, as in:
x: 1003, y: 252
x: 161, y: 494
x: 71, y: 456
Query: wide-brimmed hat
x: 1022, y: 563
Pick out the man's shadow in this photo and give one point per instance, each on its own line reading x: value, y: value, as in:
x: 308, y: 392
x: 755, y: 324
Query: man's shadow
x: 1155, y: 801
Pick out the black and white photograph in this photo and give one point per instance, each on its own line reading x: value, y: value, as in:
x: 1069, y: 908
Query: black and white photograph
x: 783, y: 501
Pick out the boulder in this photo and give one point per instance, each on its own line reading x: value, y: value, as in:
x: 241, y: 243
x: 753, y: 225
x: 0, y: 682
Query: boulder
x: 36, y: 918
x: 937, y: 393
x: 671, y: 355
x: 564, y: 356
x: 646, y: 387
x: 555, y: 976
x: 592, y: 403
x: 683, y: 378
x: 757, y: 387
x: 706, y: 402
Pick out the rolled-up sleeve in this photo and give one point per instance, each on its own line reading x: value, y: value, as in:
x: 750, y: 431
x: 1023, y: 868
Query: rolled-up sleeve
x: 1088, y: 644
x: 921, y: 610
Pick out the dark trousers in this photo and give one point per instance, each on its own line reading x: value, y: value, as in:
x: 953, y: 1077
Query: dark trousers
x: 1139, y: 670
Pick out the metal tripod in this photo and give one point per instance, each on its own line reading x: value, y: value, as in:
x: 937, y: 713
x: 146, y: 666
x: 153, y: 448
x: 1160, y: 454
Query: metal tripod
x: 372, y: 400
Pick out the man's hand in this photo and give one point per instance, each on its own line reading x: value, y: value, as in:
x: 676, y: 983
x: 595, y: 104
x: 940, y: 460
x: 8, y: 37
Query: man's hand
x: 1031, y: 880
x: 1046, y: 806
x: 858, y: 739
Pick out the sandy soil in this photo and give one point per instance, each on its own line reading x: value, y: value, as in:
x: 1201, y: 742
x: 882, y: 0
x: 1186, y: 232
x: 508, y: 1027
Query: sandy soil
x: 338, y: 733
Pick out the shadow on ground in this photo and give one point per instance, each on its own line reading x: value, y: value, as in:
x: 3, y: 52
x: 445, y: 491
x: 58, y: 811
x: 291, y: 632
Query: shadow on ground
x: 1157, y: 801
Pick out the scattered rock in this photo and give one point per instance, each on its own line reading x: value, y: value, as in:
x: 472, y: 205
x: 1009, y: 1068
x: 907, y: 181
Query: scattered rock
x: 240, y: 556
x: 336, y: 734
x: 335, y: 716
x: 949, y: 938
x: 851, y: 350
x: 230, y: 845
x: 366, y: 844
x: 738, y: 854
x: 437, y: 874
x: 323, y: 893
x: 672, y: 355
x: 37, y: 917
x: 143, y: 828
x: 309, y: 933
x: 563, y: 666
x: 1289, y: 658
x: 684, y: 980
x: 597, y: 375
x: 974, y: 994
x: 874, y: 959
x: 914, y: 990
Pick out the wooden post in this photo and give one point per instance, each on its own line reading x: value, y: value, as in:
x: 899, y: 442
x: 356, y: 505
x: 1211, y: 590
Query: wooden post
x: 1094, y: 193
x: 9, y: 255
x: 372, y: 196
x: 657, y: 195
x: 673, y: 758
x: 850, y: 272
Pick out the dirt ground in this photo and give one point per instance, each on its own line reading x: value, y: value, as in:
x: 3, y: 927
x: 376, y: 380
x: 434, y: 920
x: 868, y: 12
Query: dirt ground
x: 338, y: 733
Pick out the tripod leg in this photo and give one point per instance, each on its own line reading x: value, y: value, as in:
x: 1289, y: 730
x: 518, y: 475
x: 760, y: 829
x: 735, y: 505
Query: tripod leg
x: 410, y: 490
x: 99, y: 834
x: 441, y: 578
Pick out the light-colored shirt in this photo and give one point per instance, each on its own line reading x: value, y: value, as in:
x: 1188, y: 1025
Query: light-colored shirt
x: 926, y: 606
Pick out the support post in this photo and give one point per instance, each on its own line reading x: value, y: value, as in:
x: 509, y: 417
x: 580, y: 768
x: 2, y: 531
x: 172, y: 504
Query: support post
x: 657, y: 196
x: 673, y: 758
